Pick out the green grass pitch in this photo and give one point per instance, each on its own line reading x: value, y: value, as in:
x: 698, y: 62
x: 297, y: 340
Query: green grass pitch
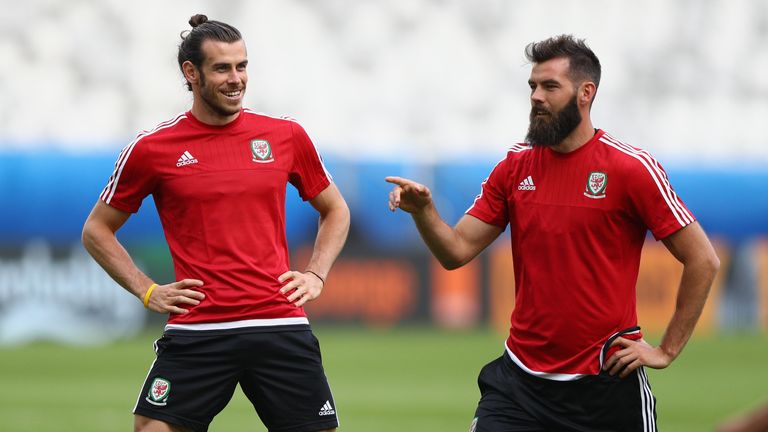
x: 403, y: 379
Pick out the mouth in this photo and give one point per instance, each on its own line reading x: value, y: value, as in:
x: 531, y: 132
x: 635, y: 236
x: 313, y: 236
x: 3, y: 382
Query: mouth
x: 233, y: 95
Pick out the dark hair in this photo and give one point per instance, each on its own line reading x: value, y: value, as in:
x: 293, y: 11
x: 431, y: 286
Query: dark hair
x: 190, y: 48
x: 583, y: 63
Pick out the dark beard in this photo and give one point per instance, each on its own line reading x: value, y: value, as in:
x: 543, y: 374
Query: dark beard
x: 551, y: 130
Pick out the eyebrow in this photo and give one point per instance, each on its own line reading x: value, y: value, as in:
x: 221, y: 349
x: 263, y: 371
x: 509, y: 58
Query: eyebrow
x: 545, y: 82
x: 242, y: 63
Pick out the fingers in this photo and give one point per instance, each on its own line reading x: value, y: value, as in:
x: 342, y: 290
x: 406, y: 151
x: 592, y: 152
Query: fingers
x: 397, y: 180
x: 169, y: 298
x: 394, y: 198
x: 620, y: 361
x: 623, y: 342
x: 624, y: 361
x: 301, y: 288
x: 630, y: 368
x: 406, y: 185
x: 285, y: 276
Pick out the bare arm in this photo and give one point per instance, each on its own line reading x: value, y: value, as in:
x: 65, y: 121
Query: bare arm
x: 453, y: 247
x: 700, y: 265
x: 101, y: 242
x: 332, y: 232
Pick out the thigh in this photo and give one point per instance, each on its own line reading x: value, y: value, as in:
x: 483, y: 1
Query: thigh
x: 500, y: 408
x: 286, y: 382
x: 191, y: 380
x: 604, y: 403
x: 623, y: 404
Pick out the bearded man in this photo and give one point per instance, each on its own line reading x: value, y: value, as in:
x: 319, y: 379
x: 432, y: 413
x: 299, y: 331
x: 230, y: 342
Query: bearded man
x: 579, y: 203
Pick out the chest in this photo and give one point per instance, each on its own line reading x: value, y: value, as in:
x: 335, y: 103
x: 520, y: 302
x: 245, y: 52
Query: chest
x: 219, y: 167
x: 547, y: 195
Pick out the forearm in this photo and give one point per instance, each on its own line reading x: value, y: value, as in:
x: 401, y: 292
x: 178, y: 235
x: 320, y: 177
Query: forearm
x: 104, y: 247
x: 332, y: 231
x: 442, y: 240
x: 694, y: 288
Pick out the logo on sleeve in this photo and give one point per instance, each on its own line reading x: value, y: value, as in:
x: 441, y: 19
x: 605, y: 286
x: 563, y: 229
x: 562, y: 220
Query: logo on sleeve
x: 262, y: 151
x: 596, y: 183
x: 159, y: 391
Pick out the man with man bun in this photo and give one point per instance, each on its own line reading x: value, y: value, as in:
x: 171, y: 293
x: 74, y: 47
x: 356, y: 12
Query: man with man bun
x: 218, y: 176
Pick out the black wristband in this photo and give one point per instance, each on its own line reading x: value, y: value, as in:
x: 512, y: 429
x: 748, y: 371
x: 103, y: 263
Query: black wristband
x: 318, y: 276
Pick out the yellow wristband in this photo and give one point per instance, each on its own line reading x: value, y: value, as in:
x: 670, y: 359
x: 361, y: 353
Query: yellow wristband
x: 149, y: 293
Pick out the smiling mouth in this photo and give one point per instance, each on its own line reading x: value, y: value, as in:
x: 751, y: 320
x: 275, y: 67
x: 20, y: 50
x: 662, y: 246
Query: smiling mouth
x: 235, y: 94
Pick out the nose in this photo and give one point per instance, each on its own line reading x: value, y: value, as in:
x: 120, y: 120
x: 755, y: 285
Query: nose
x: 537, y: 96
x: 233, y: 77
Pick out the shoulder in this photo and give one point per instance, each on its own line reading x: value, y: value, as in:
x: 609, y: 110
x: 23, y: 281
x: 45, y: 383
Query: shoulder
x: 162, y: 129
x: 630, y: 156
x: 515, y: 154
x: 270, y: 120
x: 518, y: 151
x: 637, y: 165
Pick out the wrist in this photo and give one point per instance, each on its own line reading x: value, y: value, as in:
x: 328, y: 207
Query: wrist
x: 317, y: 275
x: 148, y: 294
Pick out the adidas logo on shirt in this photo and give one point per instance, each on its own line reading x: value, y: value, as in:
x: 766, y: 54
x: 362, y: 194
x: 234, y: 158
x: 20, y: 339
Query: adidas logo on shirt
x: 186, y: 159
x: 327, y: 409
x: 527, y: 184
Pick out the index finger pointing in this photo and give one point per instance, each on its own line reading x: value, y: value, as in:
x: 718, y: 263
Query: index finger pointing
x: 397, y: 180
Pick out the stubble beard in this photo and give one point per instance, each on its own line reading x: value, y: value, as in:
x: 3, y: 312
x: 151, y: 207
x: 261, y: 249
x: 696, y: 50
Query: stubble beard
x: 209, y: 97
x: 552, y: 129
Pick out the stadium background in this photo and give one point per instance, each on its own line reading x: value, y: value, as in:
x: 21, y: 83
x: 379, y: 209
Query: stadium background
x: 430, y: 89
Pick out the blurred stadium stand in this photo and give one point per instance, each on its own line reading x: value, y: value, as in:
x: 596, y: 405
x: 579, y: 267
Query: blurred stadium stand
x: 434, y: 90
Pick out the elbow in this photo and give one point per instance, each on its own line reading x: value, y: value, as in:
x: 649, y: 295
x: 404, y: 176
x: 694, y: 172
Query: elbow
x: 343, y: 218
x: 713, y: 264
x: 86, y: 236
x: 450, y: 263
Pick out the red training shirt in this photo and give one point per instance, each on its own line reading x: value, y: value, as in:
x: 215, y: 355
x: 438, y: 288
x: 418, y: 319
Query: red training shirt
x: 578, y: 222
x: 220, y: 194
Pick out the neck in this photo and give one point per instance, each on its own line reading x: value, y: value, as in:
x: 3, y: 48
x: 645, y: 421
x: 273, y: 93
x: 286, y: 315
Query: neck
x: 205, y: 114
x: 580, y: 136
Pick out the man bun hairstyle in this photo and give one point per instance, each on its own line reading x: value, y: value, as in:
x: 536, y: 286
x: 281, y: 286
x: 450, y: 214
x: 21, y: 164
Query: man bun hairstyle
x: 583, y: 63
x: 190, y: 48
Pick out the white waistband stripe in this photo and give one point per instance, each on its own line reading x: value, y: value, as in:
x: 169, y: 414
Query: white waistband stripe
x: 239, y: 324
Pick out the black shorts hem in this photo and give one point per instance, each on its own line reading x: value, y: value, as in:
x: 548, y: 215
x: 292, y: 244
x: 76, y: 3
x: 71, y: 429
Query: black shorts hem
x: 310, y: 427
x: 171, y: 419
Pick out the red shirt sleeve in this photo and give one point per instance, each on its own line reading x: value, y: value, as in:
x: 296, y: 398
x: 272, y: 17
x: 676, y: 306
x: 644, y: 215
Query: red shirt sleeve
x: 308, y: 174
x: 132, y: 180
x: 491, y: 205
x: 654, y: 199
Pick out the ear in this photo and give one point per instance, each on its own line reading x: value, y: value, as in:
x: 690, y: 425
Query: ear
x: 190, y: 72
x: 586, y: 93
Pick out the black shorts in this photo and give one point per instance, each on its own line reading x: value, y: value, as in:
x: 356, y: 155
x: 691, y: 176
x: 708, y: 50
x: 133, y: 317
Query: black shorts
x: 279, y: 369
x: 514, y: 400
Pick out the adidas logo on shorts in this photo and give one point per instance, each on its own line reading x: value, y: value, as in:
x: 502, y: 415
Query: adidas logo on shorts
x: 327, y: 409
